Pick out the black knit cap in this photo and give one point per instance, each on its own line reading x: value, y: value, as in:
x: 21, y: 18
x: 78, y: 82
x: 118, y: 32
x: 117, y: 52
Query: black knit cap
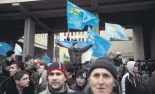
x: 83, y: 73
x: 103, y: 62
x: 9, y: 53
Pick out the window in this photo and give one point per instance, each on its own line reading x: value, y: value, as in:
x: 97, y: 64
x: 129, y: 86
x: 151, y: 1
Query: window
x: 130, y: 38
x: 64, y: 33
x: 79, y: 39
x: 75, y: 33
x: 83, y: 39
x: 82, y: 33
x: 71, y: 33
x: 79, y: 33
x: 75, y: 39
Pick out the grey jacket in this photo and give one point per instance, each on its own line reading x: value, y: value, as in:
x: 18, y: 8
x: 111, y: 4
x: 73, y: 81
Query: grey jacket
x: 48, y: 92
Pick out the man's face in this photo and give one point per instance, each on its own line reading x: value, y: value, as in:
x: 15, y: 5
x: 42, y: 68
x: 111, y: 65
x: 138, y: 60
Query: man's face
x: 76, y: 46
x: 56, y: 79
x: 101, y: 81
x: 24, y: 81
x: 13, y: 69
x: 13, y: 56
x: 120, y: 57
x: 31, y: 60
x: 111, y: 57
x: 135, y: 68
x: 41, y: 69
x: 80, y: 81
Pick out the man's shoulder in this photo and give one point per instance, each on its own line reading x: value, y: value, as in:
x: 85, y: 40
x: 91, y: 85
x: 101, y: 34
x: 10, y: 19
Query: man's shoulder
x: 43, y: 92
x: 77, y: 93
x: 2, y: 61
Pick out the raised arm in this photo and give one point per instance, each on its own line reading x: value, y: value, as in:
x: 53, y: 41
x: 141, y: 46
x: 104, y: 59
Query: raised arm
x: 61, y: 45
x: 87, y: 47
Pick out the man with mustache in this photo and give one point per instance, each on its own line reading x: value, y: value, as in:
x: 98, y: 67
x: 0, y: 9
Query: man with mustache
x: 56, y: 77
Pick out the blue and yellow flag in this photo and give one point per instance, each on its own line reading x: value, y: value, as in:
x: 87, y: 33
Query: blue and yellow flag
x: 79, y: 18
x: 66, y: 58
x: 115, y: 31
x: 46, y: 59
x: 101, y: 45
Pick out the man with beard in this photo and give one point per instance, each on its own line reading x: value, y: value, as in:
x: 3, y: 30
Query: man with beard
x: 56, y: 77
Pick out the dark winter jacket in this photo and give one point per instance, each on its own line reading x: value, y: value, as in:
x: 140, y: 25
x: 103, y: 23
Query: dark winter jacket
x: 75, y: 54
x: 122, y: 70
x: 8, y: 86
x: 90, y: 92
x: 117, y: 62
x: 147, y: 87
x: 130, y: 83
x: 30, y: 68
x: 3, y: 64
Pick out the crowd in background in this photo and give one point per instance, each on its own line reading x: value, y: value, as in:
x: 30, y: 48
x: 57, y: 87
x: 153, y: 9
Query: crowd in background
x: 112, y: 74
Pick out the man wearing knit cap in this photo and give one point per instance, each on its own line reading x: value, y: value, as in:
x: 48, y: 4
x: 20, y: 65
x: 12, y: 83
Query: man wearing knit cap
x: 56, y: 77
x: 102, y: 76
x: 81, y: 80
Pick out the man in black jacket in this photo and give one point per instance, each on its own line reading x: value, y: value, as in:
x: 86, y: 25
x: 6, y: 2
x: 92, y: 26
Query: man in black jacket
x: 8, y: 86
x: 81, y: 80
x: 148, y: 86
x: 75, y: 54
x: 5, y: 64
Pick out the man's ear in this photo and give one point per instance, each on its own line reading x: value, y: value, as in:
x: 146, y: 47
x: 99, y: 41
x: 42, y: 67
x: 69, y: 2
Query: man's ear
x: 16, y: 81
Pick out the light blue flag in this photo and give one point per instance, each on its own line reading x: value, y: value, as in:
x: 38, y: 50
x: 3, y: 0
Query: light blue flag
x: 115, y: 31
x: 4, y: 48
x: 69, y: 44
x: 18, y: 50
x: 46, y: 59
x: 101, y: 45
x: 79, y: 18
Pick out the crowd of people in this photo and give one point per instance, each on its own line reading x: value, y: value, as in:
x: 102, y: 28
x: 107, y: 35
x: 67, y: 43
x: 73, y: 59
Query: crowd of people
x: 111, y: 74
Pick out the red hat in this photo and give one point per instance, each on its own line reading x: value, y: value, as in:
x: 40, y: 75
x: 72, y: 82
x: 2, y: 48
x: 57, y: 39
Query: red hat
x: 57, y: 66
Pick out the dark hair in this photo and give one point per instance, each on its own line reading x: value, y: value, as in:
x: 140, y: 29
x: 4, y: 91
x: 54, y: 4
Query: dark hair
x: 19, y: 64
x: 45, y: 66
x: 18, y: 75
x: 28, y: 57
x: 69, y: 67
x: 9, y: 53
x: 75, y: 43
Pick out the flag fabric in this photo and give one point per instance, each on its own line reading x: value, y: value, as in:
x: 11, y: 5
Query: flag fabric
x: 64, y: 51
x: 18, y: 50
x: 115, y: 31
x: 78, y: 18
x: 46, y: 59
x: 86, y: 56
x: 4, y: 48
x: 69, y: 44
x: 66, y: 58
x: 101, y: 45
